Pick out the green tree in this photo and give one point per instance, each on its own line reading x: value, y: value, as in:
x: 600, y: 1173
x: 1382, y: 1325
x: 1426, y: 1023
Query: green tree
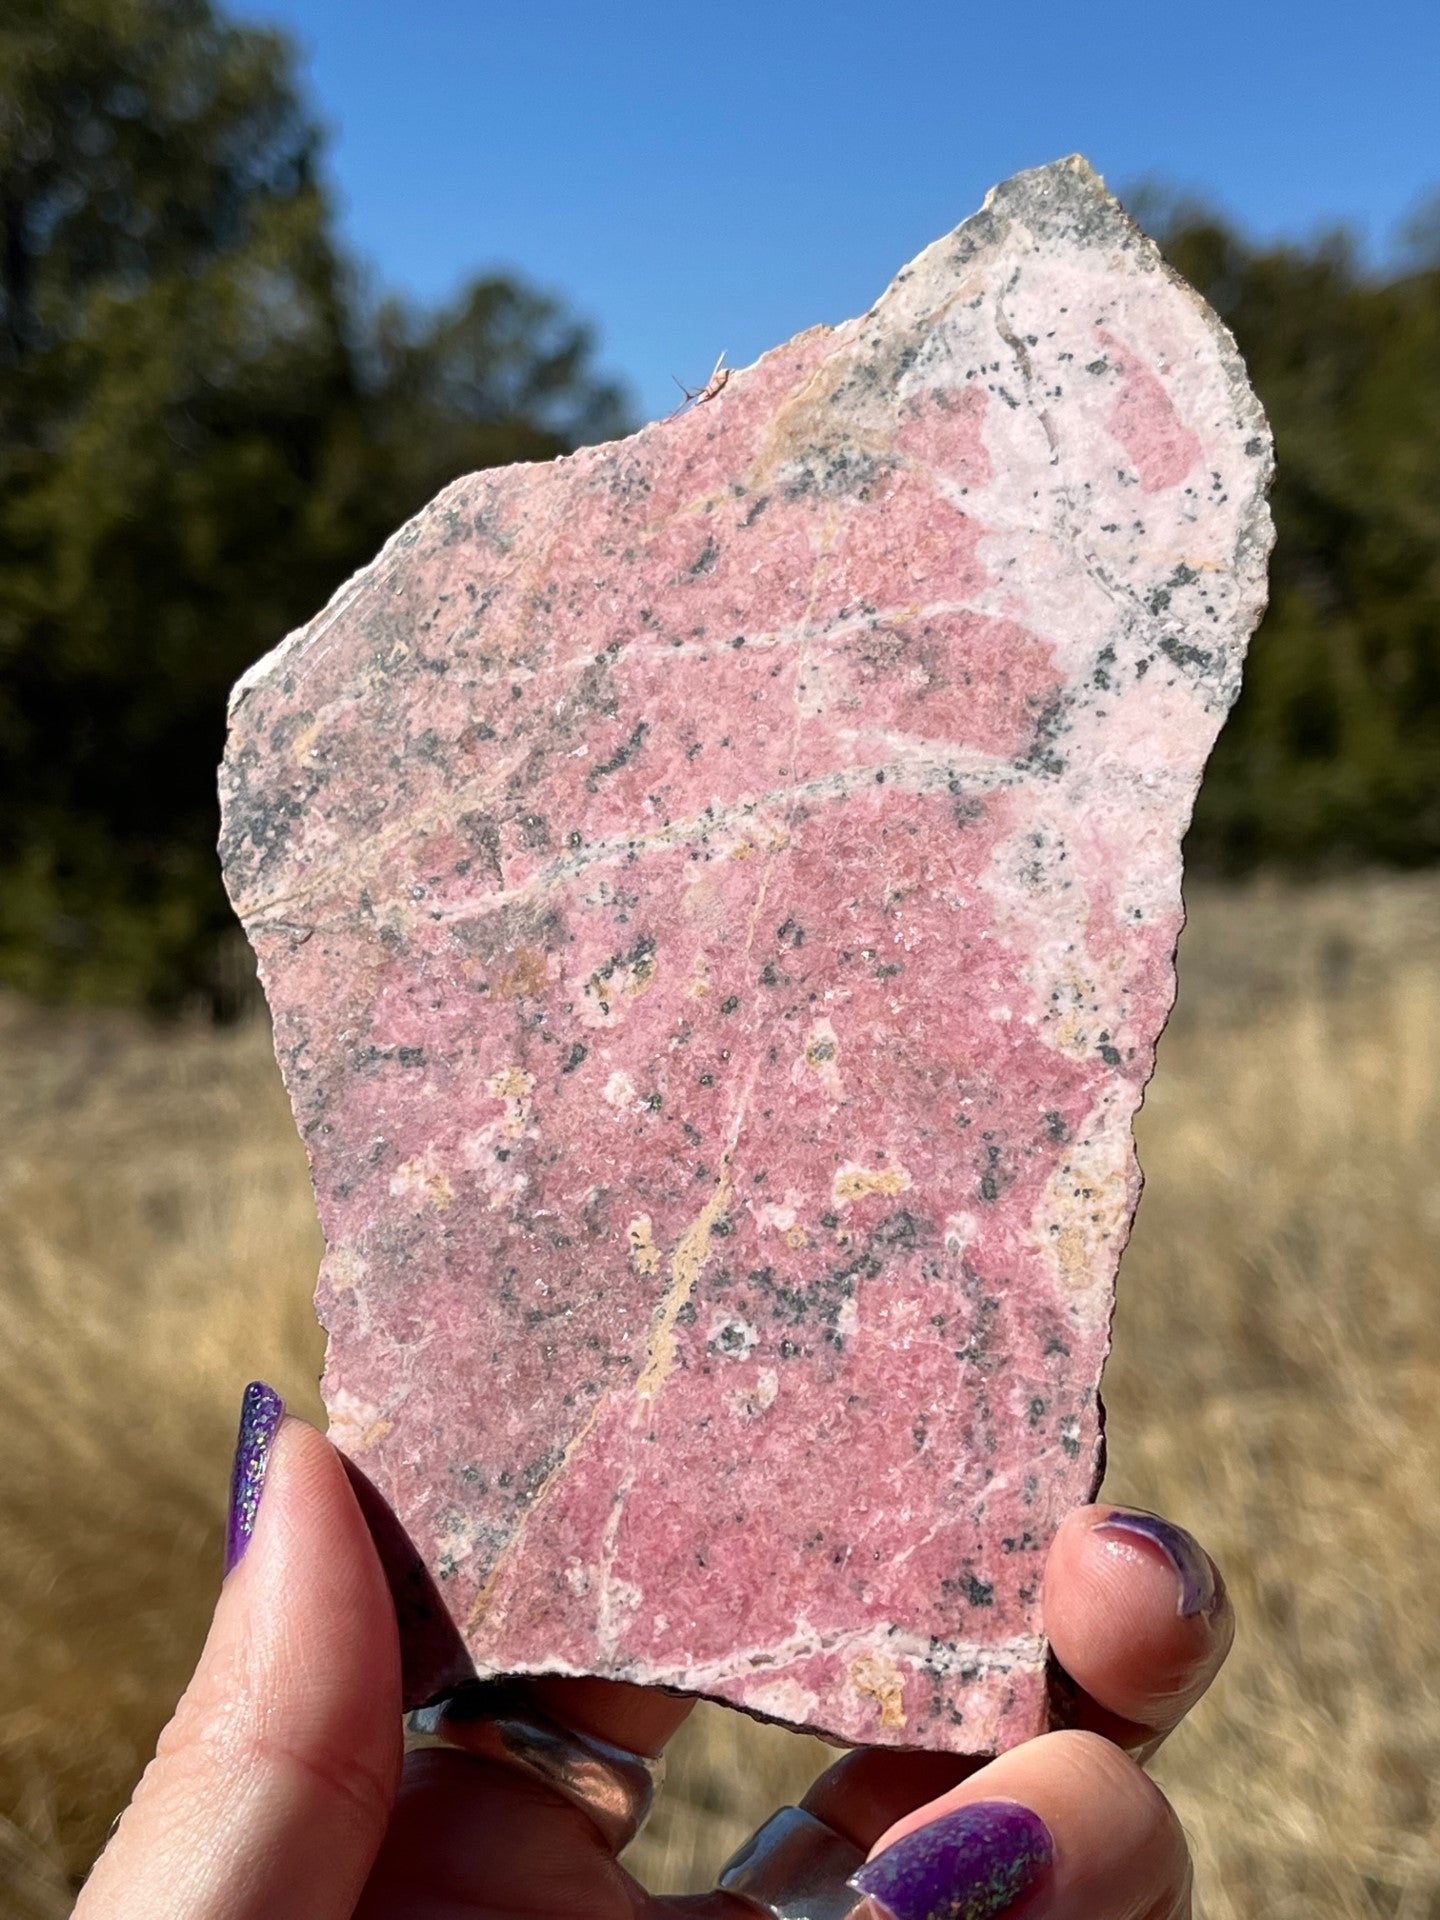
x: 203, y: 428
x: 1332, y: 754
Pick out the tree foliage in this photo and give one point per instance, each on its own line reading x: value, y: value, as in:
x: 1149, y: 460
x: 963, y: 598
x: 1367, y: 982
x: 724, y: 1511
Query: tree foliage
x: 1332, y: 754
x: 204, y: 427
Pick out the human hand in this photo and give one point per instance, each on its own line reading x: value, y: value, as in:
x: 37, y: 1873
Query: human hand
x: 280, y: 1790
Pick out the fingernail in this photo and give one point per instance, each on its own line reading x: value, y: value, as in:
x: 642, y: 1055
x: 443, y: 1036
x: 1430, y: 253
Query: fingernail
x: 967, y: 1865
x: 261, y: 1412
x: 1198, y: 1584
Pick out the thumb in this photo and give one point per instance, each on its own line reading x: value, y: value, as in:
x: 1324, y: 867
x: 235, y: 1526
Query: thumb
x: 272, y: 1786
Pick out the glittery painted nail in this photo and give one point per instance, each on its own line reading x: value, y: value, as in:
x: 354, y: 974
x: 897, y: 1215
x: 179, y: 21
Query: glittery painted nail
x: 261, y: 1412
x: 967, y: 1865
x: 1199, y: 1586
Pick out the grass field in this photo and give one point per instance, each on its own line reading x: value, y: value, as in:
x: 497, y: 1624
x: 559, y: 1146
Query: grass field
x: 1275, y: 1385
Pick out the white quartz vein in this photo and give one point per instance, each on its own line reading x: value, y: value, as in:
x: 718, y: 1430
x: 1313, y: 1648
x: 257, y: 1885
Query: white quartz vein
x: 972, y: 1659
x: 923, y: 769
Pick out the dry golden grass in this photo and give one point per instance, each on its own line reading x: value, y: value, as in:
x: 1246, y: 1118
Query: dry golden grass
x: 1274, y: 1384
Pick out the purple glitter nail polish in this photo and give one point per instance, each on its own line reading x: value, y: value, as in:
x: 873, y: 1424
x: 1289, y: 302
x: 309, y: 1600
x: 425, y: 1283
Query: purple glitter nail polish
x: 1199, y: 1589
x: 969, y: 1864
x: 261, y: 1412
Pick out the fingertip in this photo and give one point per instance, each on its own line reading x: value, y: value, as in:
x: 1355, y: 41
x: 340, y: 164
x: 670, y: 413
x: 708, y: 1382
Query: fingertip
x: 287, y: 1483
x: 1136, y: 1613
x: 978, y: 1859
x: 272, y: 1784
x: 305, y: 1621
x: 1198, y: 1586
x: 1116, y: 1845
x: 261, y: 1414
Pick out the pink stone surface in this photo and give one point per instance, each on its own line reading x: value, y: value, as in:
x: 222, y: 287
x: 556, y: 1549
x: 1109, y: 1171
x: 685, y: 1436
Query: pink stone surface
x: 717, y: 896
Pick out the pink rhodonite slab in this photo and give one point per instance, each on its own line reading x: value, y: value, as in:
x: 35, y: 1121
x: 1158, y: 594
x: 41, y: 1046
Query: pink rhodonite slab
x: 717, y: 896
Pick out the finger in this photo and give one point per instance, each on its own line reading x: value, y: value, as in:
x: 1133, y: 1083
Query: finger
x: 870, y: 1789
x: 1067, y: 1824
x: 635, y: 1717
x: 272, y: 1785
x: 472, y: 1836
x: 1138, y: 1618
x: 438, y: 1856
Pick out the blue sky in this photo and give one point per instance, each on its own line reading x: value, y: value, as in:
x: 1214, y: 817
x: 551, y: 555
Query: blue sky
x: 698, y: 178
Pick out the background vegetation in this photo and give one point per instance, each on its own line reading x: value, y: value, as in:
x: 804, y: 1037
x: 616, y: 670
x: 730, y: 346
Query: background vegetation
x: 1332, y: 756
x: 207, y: 422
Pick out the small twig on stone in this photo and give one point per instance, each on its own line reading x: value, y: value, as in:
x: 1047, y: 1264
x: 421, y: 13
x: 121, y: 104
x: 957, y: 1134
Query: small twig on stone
x: 697, y: 396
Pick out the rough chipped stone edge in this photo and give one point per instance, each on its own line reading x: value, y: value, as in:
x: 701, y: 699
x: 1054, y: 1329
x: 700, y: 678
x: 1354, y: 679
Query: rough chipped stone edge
x: 1036, y: 198
x: 1068, y: 199
x: 1039, y: 197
